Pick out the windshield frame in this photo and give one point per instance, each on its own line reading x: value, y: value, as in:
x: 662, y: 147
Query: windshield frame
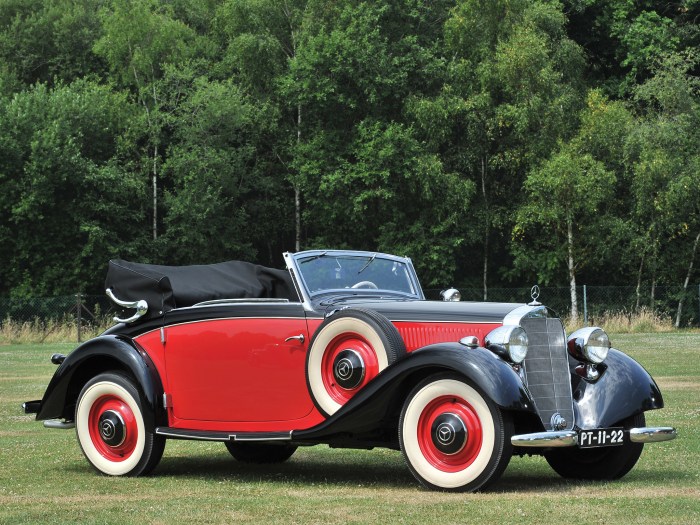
x: 295, y: 266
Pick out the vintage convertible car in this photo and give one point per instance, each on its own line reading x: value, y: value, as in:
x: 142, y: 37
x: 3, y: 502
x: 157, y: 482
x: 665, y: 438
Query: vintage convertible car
x: 343, y: 349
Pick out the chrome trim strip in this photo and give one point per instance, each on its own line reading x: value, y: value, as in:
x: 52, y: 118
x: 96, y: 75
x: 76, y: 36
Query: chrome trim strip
x: 253, y: 300
x: 446, y: 321
x: 223, y: 436
x: 515, y: 316
x: 141, y: 307
x: 217, y: 319
x: 567, y: 438
x: 61, y: 425
x: 182, y: 435
x: 294, y: 273
x: 652, y: 434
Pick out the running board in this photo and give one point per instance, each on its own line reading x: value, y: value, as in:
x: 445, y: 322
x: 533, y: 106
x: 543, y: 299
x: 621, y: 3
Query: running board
x: 202, y: 435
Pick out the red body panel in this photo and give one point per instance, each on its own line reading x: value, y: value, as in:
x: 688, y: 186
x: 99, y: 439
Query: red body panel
x: 240, y: 375
x: 419, y: 334
x: 238, y: 370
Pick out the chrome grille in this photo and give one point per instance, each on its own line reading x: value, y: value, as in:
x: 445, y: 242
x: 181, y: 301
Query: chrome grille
x: 547, y: 370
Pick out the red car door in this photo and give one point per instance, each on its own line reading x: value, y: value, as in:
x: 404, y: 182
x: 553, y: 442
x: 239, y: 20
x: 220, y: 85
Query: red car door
x: 246, y: 367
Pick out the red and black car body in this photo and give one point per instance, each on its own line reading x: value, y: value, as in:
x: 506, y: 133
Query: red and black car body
x: 342, y: 348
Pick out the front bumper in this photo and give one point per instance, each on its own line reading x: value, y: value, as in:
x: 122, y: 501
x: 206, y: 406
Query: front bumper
x: 569, y: 438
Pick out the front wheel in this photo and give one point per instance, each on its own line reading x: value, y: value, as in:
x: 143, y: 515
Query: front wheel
x: 110, y: 427
x: 453, y: 437
x: 603, y: 463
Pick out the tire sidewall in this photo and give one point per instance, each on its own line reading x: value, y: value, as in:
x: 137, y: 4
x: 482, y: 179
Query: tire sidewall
x: 485, y: 465
x: 351, y: 321
x: 98, y: 387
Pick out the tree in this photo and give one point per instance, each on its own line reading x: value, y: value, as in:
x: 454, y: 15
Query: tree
x: 511, y: 85
x: 140, y: 38
x: 663, y: 156
x: 565, y: 204
x: 67, y: 204
x: 224, y: 198
x: 357, y: 65
x: 47, y: 40
x: 263, y: 44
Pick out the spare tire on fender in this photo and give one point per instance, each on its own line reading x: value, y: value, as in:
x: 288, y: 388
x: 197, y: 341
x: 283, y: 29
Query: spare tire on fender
x: 347, y: 351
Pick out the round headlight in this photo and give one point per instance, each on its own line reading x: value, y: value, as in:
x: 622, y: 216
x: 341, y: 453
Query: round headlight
x: 589, y: 344
x: 509, y: 342
x: 517, y: 345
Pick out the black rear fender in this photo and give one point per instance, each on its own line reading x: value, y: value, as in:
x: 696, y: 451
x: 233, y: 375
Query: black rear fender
x: 103, y: 354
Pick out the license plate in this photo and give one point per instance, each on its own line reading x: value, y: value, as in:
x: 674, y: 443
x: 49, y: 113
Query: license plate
x: 601, y: 437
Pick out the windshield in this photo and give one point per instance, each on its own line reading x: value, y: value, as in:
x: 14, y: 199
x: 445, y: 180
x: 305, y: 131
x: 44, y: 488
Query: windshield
x: 323, y: 272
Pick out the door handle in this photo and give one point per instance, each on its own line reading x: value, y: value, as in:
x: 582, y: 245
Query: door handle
x: 299, y: 338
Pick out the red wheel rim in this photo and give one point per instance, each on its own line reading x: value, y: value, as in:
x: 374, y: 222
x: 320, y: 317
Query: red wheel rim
x: 464, y: 411
x: 347, y: 341
x: 114, y: 404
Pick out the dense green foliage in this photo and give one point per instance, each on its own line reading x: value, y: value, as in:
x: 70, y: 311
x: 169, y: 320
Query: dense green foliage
x: 496, y: 142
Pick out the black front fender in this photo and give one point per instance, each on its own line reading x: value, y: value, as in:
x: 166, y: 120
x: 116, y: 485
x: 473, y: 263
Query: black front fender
x: 102, y: 354
x: 380, y: 401
x: 624, y: 389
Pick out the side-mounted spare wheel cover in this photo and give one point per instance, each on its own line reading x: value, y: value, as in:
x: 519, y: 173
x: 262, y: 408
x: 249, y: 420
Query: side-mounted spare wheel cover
x: 347, y: 351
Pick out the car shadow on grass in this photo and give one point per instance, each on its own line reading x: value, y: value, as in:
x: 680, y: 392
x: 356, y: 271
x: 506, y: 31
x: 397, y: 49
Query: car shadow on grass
x: 343, y: 470
x: 303, y: 471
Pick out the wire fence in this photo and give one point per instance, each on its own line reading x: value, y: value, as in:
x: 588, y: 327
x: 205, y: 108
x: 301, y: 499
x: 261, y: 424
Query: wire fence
x: 49, y: 314
x: 596, y: 301
x: 82, y: 312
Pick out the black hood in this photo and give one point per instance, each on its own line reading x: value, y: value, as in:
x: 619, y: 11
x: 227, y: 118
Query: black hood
x: 427, y: 311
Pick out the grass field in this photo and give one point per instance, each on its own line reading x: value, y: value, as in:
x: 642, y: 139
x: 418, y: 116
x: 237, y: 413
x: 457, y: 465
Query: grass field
x: 45, y: 479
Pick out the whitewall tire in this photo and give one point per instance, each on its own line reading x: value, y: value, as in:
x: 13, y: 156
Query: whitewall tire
x: 347, y: 351
x: 110, y: 427
x: 453, y: 437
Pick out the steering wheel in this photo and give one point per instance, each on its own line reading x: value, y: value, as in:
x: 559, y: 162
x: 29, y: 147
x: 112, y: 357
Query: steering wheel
x: 365, y: 284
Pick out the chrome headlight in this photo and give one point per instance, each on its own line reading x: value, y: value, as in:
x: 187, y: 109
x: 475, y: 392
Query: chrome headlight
x: 509, y: 342
x: 589, y: 344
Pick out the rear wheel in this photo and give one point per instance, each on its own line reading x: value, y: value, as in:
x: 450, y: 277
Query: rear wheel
x: 110, y: 427
x: 453, y: 437
x: 603, y: 463
x: 248, y: 452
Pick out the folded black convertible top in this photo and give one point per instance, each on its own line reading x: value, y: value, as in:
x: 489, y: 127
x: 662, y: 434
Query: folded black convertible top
x: 168, y: 287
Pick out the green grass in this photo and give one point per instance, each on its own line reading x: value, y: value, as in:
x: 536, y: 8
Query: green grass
x: 45, y: 479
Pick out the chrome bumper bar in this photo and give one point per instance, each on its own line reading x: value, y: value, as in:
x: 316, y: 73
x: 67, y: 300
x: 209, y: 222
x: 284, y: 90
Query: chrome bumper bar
x: 652, y: 434
x: 569, y: 438
x: 565, y: 438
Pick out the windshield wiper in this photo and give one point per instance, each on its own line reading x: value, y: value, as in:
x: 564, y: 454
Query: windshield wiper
x: 367, y: 264
x: 323, y: 254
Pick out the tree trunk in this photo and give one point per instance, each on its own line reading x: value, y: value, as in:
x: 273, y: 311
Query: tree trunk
x: 639, y: 283
x: 297, y: 196
x: 488, y: 228
x: 687, y: 280
x: 572, y: 270
x: 155, y: 192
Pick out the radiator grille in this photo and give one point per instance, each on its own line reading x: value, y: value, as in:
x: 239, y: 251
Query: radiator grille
x: 547, y: 370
